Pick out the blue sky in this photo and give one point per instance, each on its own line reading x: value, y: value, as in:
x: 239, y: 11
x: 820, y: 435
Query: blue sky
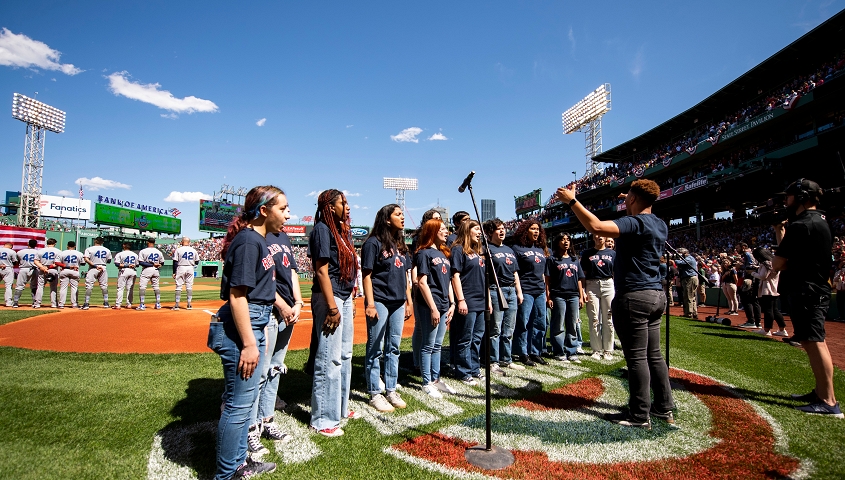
x: 317, y: 95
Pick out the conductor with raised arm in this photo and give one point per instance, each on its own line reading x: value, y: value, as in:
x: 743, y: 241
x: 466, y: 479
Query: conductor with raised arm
x: 639, y: 300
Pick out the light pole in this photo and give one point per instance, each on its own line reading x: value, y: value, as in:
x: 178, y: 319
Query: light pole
x: 585, y: 116
x: 400, y: 185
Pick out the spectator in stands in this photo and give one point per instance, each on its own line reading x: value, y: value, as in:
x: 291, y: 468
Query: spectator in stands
x: 728, y: 281
x: 687, y: 272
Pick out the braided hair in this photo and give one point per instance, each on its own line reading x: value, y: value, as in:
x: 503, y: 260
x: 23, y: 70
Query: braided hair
x: 256, y: 198
x: 340, y: 231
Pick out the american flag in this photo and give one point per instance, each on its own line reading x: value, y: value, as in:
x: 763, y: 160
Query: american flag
x: 20, y: 236
x: 175, y: 212
x: 80, y: 191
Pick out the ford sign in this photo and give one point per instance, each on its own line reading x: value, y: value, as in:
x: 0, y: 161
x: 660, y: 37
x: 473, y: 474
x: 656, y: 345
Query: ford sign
x: 359, y: 231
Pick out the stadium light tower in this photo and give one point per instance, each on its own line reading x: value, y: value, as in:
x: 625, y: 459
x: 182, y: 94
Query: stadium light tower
x: 400, y: 185
x: 585, y: 116
x: 38, y: 117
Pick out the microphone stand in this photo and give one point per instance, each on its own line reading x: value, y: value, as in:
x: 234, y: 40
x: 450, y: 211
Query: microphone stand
x: 488, y: 457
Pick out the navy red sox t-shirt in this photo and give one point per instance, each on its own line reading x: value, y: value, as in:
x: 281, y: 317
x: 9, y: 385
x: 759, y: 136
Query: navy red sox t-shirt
x: 471, y: 268
x: 564, y: 274
x: 638, y: 250
x: 436, y: 267
x: 389, y: 269
x: 249, y: 264
x: 532, y: 267
x: 597, y: 264
x: 504, y: 262
x: 451, y: 239
x: 282, y: 251
x: 321, y: 246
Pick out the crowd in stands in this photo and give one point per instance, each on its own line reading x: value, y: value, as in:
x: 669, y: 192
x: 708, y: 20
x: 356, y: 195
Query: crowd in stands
x: 783, y: 96
x: 209, y: 250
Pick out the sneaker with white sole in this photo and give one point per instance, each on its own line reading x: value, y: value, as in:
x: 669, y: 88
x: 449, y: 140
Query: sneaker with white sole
x: 495, y: 369
x: 515, y: 366
x: 189, y: 307
x: 574, y: 359
x: 271, y: 431
x: 763, y: 331
x: 395, y: 399
x: 609, y: 356
x: 562, y: 358
x: 175, y: 308
x: 158, y: 306
x: 253, y: 441
x: 625, y: 420
x: 381, y: 404
x: 749, y: 325
x: 780, y: 333
x: 432, y: 391
x: 353, y: 415
x: 821, y: 408
x: 469, y: 381
x: 331, y: 432
x: 141, y: 307
x: 444, y: 387
x: 580, y: 351
x: 596, y: 356
x: 251, y: 468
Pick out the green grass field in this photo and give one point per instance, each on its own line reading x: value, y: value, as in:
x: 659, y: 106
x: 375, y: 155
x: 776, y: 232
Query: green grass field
x: 96, y: 415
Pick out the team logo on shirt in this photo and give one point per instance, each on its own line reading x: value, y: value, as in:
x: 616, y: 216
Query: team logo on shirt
x: 568, y: 273
x: 268, y: 262
x: 285, y: 260
x: 398, y: 262
x: 600, y: 263
x: 508, y: 261
x: 536, y: 259
x: 444, y: 269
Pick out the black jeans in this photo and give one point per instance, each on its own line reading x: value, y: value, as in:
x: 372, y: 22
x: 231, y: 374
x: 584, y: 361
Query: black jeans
x: 752, y: 311
x: 771, y: 312
x: 636, y: 318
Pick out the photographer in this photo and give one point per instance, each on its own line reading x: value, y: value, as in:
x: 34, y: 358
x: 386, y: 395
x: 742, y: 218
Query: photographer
x: 687, y: 271
x: 804, y: 255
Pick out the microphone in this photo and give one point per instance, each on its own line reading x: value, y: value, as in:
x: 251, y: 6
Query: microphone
x: 467, y: 181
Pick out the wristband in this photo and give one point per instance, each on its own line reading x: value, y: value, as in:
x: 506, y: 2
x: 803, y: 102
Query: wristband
x: 461, y: 300
x: 573, y: 202
x: 300, y: 302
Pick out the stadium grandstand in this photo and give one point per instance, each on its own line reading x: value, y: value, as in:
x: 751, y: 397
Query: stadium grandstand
x: 733, y: 151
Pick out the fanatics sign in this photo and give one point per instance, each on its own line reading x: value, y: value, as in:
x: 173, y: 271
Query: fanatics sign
x: 65, y: 207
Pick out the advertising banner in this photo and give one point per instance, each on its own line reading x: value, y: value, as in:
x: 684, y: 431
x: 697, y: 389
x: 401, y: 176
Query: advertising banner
x: 528, y: 203
x: 360, y: 232
x: 294, y: 230
x: 697, y: 183
x: 65, y: 207
x: 124, y: 217
x: 216, y: 216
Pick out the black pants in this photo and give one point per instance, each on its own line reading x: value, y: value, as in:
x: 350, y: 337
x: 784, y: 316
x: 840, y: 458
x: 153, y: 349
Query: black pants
x: 771, y: 312
x: 752, y: 310
x: 636, y: 318
x: 840, y: 304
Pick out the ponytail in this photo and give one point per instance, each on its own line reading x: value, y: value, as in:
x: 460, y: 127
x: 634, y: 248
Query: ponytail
x: 254, y: 200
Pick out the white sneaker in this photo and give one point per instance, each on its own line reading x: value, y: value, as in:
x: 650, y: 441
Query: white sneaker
x: 432, y: 391
x: 253, y: 441
x: 395, y: 399
x: 580, y: 351
x: 763, y: 332
x: 596, y: 356
x: 495, y: 369
x: 609, y: 356
x: 515, y: 366
x: 780, y: 333
x: 444, y: 387
x: 381, y: 404
x: 470, y: 381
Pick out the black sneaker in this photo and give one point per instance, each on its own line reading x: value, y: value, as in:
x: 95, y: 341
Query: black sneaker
x: 667, y: 417
x: 539, y: 359
x: 251, y: 468
x: 807, y: 397
x: 84, y: 307
x: 625, y: 420
x: 526, y: 360
x: 821, y: 408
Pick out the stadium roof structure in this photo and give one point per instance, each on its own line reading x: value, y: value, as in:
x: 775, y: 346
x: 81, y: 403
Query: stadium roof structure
x: 809, y: 51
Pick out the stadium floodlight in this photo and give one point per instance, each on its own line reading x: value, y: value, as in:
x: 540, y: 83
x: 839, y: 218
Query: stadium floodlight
x: 586, y: 116
x: 400, y: 185
x: 38, y: 117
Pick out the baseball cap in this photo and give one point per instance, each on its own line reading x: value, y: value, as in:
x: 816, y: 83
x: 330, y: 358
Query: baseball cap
x: 804, y: 184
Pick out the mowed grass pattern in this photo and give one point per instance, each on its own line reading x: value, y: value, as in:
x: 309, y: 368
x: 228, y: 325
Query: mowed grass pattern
x: 95, y: 415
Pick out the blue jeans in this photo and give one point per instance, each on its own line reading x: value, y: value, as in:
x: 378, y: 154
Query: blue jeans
x: 636, y: 318
x: 469, y: 330
x: 239, y: 395
x: 564, y: 326
x: 431, y: 342
x: 530, y: 331
x: 386, y: 330
x: 272, y: 366
x: 332, y: 364
x: 502, y: 323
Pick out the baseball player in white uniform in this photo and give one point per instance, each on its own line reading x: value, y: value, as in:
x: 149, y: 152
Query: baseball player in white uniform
x: 45, y: 262
x: 97, y: 256
x: 8, y: 259
x: 71, y: 261
x: 27, y: 271
x: 185, y: 258
x: 126, y: 262
x: 151, y: 260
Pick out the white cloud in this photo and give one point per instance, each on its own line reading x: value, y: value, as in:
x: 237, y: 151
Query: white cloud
x: 294, y: 217
x: 22, y: 51
x: 261, y: 122
x: 638, y: 64
x: 356, y: 207
x: 171, y: 116
x: 407, y: 135
x: 365, y: 208
x: 349, y: 194
x: 64, y: 193
x: 350, y: 126
x: 98, y: 183
x: 314, y: 193
x: 120, y: 84
x: 186, y: 196
x: 438, y: 136
x: 571, y: 37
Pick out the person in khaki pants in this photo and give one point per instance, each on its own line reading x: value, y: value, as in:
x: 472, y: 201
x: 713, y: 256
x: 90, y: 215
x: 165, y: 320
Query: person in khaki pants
x: 687, y: 270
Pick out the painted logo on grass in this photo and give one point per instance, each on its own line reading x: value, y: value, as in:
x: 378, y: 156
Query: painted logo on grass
x: 560, y: 434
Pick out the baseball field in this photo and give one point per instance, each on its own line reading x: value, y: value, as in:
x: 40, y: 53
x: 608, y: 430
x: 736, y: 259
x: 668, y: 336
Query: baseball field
x: 80, y: 401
